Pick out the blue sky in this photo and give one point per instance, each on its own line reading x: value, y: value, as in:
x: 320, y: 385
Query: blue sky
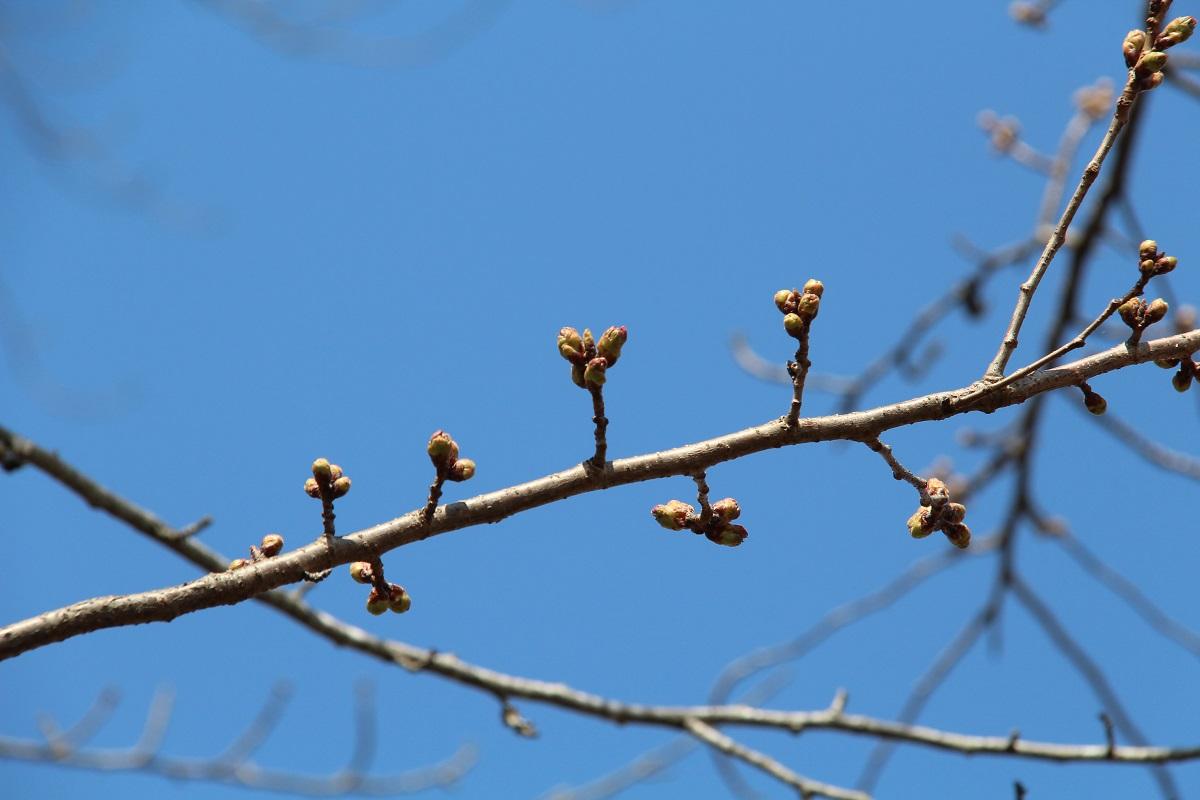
x: 335, y: 258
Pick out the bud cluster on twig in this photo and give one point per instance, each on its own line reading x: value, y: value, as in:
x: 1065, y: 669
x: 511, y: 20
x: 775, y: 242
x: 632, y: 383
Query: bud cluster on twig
x: 271, y: 545
x: 590, y: 361
x: 937, y: 513
x: 327, y: 484
x: 384, y: 596
x: 799, y: 308
x: 443, y: 452
x: 715, y: 523
x: 1148, y: 60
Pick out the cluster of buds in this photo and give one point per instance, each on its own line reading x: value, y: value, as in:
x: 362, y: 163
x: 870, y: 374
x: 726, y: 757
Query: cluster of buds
x: 396, y: 599
x: 799, y: 307
x: 590, y: 359
x: 1003, y: 133
x: 1152, y: 261
x: 1148, y: 62
x: 271, y: 545
x: 937, y: 513
x: 1139, y: 315
x: 443, y: 452
x: 1186, y: 368
x: 327, y: 481
x: 717, y: 526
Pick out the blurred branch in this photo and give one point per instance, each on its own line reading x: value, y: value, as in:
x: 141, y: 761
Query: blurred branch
x: 233, y: 766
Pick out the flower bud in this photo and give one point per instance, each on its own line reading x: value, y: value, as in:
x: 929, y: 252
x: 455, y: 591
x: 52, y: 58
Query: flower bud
x: 577, y: 376
x: 1166, y: 363
x: 1150, y: 63
x: 271, y: 545
x: 399, y: 600
x: 593, y: 373
x: 727, y: 510
x: 312, y: 488
x: 936, y: 491
x: 335, y: 472
x: 814, y: 286
x: 920, y: 524
x: 1155, y: 311
x: 1132, y: 311
x: 463, y: 470
x: 589, y: 345
x: 794, y: 326
x: 610, y: 344
x: 954, y: 512
x: 674, y: 515
x: 1176, y: 31
x: 442, y: 449
x: 1182, y: 379
x: 376, y: 603
x: 1135, y: 42
x: 728, y: 535
x: 1148, y: 249
x: 781, y: 300
x: 361, y: 572
x: 1165, y: 264
x: 1094, y: 403
x: 570, y: 345
x: 341, y: 486
x: 808, y: 305
x: 237, y: 563
x: 958, y: 534
x: 322, y: 471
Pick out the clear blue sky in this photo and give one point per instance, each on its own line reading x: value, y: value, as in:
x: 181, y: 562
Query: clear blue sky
x: 335, y: 258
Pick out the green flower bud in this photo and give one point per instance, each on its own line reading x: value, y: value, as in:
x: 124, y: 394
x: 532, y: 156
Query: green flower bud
x: 727, y: 510
x: 920, y: 524
x: 1135, y: 42
x: 589, y: 345
x: 570, y: 345
x: 312, y: 488
x: 1094, y: 403
x: 782, y: 298
x: 442, y: 449
x: 322, y: 471
x: 399, y: 600
x: 593, y: 373
x: 238, y: 563
x: 335, y: 472
x: 794, y: 326
x: 728, y: 535
x: 1176, y: 31
x: 376, y: 603
x: 1132, y: 312
x: 271, y: 545
x: 1182, y: 379
x: 954, y: 512
x: 814, y: 286
x: 1155, y: 311
x: 610, y: 344
x: 808, y: 305
x: 958, y: 534
x: 361, y: 572
x: 1165, y: 264
x: 341, y: 486
x: 673, y: 515
x: 463, y: 470
x: 1150, y: 63
x: 1149, y: 248
x: 577, y: 376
